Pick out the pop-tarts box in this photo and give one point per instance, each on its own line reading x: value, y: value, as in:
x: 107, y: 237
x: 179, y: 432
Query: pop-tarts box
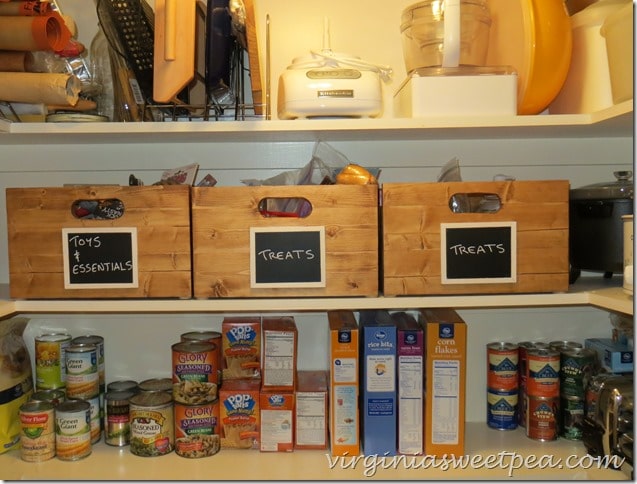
x: 614, y: 357
x: 344, y: 416
x: 378, y: 383
x: 411, y: 372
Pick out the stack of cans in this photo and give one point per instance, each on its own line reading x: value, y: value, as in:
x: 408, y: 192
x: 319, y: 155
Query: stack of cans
x: 502, y: 385
x: 542, y: 388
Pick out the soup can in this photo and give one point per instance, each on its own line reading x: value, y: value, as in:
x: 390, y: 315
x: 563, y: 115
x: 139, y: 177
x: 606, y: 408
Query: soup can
x: 564, y: 345
x: 82, y: 376
x: 502, y: 409
x: 195, y: 372
x: 577, y: 366
x: 37, y: 431
x: 117, y: 417
x: 96, y: 426
x: 543, y: 373
x: 542, y: 417
x: 572, y: 410
x: 502, y: 366
x: 73, y: 430
x: 213, y: 337
x: 157, y: 385
x: 98, y: 341
x: 50, y: 360
x: 123, y: 386
x: 197, y: 430
x: 51, y: 396
x: 151, y: 424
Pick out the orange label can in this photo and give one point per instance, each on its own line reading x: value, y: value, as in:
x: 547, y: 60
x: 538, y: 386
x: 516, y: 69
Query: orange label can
x: 197, y: 430
x: 195, y: 373
x: 502, y: 366
x: 543, y: 373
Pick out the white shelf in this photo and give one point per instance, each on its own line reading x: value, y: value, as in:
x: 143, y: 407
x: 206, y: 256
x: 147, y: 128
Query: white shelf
x: 615, y: 121
x: 587, y: 291
x: 113, y: 463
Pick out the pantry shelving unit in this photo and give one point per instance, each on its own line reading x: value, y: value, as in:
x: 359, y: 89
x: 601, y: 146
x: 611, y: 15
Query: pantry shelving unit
x: 114, y: 463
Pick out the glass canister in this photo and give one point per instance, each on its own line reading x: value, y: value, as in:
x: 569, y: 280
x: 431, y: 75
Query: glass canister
x: 423, y: 33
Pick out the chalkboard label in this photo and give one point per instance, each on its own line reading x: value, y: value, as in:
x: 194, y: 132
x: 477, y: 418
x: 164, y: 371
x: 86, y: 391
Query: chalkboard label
x: 478, y: 253
x: 287, y: 257
x: 100, y: 257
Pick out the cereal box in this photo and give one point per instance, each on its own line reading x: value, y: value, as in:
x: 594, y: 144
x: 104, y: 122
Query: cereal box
x: 344, y: 368
x: 239, y: 414
x: 445, y: 369
x: 280, y: 341
x: 241, y: 347
x: 378, y: 382
x: 311, y: 410
x: 277, y: 421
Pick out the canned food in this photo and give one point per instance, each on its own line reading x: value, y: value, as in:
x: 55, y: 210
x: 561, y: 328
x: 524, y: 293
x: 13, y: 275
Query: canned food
x: 151, y: 424
x: 73, y: 430
x: 213, y: 337
x: 51, y: 396
x: 195, y: 376
x: 502, y: 409
x: 37, y: 431
x: 96, y: 426
x: 82, y: 376
x: 522, y: 408
x: 502, y: 366
x: 543, y: 373
x: 564, y: 345
x: 542, y: 419
x: 197, y: 430
x: 577, y: 366
x: 50, y: 360
x: 157, y: 385
x: 117, y: 417
x: 572, y: 412
x: 98, y: 341
x: 124, y: 386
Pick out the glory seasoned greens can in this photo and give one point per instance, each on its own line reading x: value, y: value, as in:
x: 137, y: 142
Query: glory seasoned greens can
x: 195, y: 372
x: 73, y: 430
x: 50, y: 360
x: 152, y: 424
x: 197, y: 430
x: 37, y: 431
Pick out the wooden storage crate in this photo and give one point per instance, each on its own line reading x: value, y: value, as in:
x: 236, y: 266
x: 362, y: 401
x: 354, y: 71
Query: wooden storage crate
x: 412, y: 237
x: 156, y: 217
x: 223, y: 219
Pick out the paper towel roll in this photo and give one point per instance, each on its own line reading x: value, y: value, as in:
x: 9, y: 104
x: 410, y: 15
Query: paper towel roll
x: 43, y: 32
x: 35, y: 87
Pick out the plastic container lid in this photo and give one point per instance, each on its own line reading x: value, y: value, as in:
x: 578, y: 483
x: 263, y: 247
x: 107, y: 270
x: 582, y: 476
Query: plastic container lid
x: 621, y: 188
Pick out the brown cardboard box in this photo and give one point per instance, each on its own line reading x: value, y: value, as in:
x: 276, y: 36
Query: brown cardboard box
x: 280, y: 343
x: 445, y: 370
x: 241, y: 347
x: 137, y: 247
x: 520, y: 248
x: 239, y: 414
x: 311, y: 411
x: 344, y: 378
x: 277, y: 421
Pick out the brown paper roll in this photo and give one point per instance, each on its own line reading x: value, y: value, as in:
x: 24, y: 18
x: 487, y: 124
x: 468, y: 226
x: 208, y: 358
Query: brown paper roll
x: 15, y: 61
x: 43, y: 32
x: 35, y: 87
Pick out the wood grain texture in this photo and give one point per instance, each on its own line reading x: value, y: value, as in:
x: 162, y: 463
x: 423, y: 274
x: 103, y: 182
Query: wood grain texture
x: 253, y: 57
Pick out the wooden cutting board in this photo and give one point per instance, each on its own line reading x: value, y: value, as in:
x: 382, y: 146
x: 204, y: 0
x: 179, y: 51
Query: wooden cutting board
x: 174, y: 47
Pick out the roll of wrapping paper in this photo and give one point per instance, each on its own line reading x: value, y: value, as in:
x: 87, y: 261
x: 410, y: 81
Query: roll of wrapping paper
x: 43, y: 32
x: 25, y: 7
x: 15, y: 61
x: 35, y: 87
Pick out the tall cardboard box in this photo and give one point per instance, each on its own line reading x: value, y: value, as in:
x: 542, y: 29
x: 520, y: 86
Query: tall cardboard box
x: 378, y: 381
x: 280, y: 342
x: 239, y: 414
x: 343, y: 398
x: 411, y: 372
x: 311, y: 412
x: 277, y: 421
x: 445, y: 374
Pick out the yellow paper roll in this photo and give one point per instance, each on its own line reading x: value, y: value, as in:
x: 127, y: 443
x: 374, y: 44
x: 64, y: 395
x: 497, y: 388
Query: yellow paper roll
x: 35, y: 87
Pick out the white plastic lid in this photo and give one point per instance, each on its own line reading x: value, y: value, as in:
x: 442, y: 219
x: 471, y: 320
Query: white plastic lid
x: 595, y: 14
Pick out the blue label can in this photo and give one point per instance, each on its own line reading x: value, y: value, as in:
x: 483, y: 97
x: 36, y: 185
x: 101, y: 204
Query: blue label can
x: 502, y: 409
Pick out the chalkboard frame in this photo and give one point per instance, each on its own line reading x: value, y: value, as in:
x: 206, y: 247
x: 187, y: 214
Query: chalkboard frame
x: 320, y: 230
x: 68, y: 284
x: 446, y: 279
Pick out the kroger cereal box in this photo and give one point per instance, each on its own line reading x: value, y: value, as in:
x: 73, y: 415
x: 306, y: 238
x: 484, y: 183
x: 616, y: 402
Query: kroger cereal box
x: 280, y: 341
x: 411, y: 372
x: 344, y: 373
x: 241, y: 347
x: 378, y: 383
x: 445, y: 369
x: 277, y: 421
x: 239, y: 414
x: 311, y: 410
